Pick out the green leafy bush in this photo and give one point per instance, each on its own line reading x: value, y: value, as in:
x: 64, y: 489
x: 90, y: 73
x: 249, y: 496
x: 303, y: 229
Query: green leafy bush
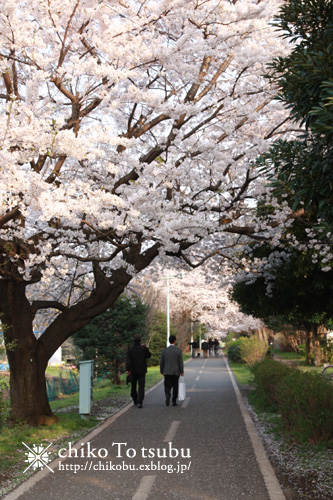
x: 230, y: 338
x: 302, y: 349
x: 328, y: 351
x: 267, y: 376
x: 234, y: 352
x: 253, y: 350
x: 305, y: 402
x: 247, y: 350
x: 157, y: 336
x: 4, y: 404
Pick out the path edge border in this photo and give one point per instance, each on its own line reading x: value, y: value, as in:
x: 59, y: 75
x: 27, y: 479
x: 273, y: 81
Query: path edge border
x: 273, y: 486
x: 38, y: 476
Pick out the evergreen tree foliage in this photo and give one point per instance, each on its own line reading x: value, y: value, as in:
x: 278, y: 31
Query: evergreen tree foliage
x: 107, y: 337
x: 297, y: 292
x: 158, y: 336
x: 295, y: 277
x: 301, y: 170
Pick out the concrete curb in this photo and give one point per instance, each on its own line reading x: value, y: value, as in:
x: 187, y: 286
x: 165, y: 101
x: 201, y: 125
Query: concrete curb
x: 272, y: 484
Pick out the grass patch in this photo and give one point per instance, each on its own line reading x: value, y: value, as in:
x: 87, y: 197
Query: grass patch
x: 293, y: 356
x: 104, y: 389
x: 242, y: 373
x: 11, y: 437
x: 310, y: 369
x: 101, y: 389
x: 153, y: 376
x: 288, y: 355
x: 65, y: 401
x: 56, y: 371
x: 12, y: 452
x: 70, y: 427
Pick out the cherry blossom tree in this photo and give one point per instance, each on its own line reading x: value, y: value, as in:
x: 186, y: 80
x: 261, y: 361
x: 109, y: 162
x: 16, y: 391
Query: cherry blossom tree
x: 127, y: 133
x: 204, y: 296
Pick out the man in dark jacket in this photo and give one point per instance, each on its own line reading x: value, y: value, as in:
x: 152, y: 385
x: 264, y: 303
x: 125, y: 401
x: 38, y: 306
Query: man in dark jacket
x: 136, y: 367
x: 171, y: 366
x: 205, y: 347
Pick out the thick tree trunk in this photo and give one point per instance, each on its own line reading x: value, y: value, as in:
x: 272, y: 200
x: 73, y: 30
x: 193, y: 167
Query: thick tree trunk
x: 28, y: 394
x: 28, y: 356
x: 26, y: 360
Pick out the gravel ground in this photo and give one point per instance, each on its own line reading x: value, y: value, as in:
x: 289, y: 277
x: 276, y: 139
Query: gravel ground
x: 102, y: 409
x: 304, y: 473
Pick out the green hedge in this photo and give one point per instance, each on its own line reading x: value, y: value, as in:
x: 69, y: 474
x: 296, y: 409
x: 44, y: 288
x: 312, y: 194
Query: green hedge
x: 234, y: 352
x: 306, y: 406
x: 304, y: 400
x: 267, y: 376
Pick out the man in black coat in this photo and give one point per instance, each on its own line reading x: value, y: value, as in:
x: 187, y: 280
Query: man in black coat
x: 205, y: 347
x: 171, y: 366
x: 136, y: 367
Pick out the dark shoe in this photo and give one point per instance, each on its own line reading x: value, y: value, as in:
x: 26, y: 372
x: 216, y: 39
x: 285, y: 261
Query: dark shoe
x: 174, y: 403
x: 139, y: 405
x: 167, y: 400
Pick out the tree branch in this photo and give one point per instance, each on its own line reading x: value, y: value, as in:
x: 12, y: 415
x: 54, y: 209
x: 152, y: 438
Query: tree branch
x: 10, y: 215
x: 47, y: 304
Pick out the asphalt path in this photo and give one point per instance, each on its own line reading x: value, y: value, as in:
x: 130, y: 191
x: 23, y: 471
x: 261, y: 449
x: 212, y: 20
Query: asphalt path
x: 203, y: 449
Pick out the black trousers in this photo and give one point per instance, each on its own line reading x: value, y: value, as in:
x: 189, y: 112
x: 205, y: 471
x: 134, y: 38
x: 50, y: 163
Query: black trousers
x: 138, y: 395
x: 171, y: 382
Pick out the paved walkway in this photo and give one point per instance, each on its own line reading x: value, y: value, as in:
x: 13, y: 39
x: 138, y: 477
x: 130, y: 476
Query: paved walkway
x: 204, y: 449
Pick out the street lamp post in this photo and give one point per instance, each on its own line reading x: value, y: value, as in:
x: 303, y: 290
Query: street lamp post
x: 168, y: 278
x: 168, y: 308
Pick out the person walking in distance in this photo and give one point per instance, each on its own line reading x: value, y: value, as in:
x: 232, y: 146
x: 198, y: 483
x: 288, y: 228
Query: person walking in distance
x: 171, y: 366
x: 205, y: 347
x: 136, y: 368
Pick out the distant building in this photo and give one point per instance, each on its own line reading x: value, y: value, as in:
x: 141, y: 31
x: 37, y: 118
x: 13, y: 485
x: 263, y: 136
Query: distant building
x: 56, y: 359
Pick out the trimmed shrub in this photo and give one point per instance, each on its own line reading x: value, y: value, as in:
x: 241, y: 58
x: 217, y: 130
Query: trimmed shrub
x: 305, y: 402
x: 267, y: 376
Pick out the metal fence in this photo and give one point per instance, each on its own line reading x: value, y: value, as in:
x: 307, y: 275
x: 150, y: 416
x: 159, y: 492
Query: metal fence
x: 60, y: 385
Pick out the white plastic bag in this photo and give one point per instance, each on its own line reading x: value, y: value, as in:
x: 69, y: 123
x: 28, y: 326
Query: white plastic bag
x: 182, y: 389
